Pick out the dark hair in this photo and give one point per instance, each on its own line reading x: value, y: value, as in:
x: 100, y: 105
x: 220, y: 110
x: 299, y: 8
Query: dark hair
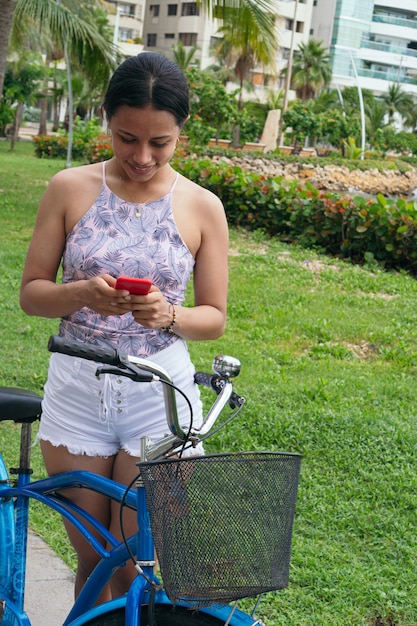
x: 148, y: 79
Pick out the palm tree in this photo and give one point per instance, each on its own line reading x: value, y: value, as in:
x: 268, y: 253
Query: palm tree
x: 7, y: 8
x: 183, y: 57
x: 22, y: 83
x: 249, y: 44
x: 225, y: 59
x: 249, y: 37
x: 397, y: 101
x: 311, y: 70
x: 375, y: 115
x: 411, y: 119
x: 83, y: 41
x: 274, y: 99
x: 258, y: 13
x: 326, y: 101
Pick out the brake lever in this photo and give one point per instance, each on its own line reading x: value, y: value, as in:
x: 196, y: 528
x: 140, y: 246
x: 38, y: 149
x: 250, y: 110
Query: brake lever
x: 217, y: 383
x: 134, y: 373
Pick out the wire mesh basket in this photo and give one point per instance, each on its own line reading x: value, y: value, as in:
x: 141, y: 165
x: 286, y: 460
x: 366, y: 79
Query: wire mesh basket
x: 222, y: 523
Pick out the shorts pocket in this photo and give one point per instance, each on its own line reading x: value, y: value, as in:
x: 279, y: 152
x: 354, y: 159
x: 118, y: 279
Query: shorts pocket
x: 63, y: 370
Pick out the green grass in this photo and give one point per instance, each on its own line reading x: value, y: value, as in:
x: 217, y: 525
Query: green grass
x: 329, y: 365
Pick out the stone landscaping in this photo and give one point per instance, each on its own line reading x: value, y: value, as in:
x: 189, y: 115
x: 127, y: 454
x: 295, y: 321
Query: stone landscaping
x: 333, y: 177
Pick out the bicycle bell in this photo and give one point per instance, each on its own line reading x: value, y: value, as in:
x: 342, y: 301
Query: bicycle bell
x: 226, y: 366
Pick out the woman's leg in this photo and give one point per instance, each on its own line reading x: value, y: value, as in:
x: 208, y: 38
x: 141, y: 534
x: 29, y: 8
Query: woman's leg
x: 124, y: 471
x: 58, y: 459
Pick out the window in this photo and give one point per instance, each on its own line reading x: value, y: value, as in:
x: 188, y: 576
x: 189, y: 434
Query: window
x: 169, y: 36
x: 154, y: 9
x: 172, y: 9
x: 299, y: 26
x: 189, y: 8
x: 188, y: 39
x: 127, y: 9
x: 214, y: 41
x: 151, y: 40
x: 125, y: 34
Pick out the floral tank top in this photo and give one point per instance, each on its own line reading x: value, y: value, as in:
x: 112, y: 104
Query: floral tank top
x: 111, y: 239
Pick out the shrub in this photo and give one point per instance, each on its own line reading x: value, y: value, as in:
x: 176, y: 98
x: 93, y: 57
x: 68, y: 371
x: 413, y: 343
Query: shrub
x: 55, y: 146
x: 6, y: 117
x: 32, y: 114
x: 50, y: 146
x: 359, y: 228
x: 99, y: 148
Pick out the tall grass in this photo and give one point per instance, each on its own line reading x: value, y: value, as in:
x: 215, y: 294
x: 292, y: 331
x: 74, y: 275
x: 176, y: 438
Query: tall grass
x: 329, y: 364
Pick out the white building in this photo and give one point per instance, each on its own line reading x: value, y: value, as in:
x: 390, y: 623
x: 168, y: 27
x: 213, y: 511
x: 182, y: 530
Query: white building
x: 127, y: 20
x: 375, y: 39
x: 166, y: 22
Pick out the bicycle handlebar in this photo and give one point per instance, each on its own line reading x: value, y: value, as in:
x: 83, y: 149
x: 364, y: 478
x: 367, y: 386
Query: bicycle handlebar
x: 144, y: 370
x: 110, y: 356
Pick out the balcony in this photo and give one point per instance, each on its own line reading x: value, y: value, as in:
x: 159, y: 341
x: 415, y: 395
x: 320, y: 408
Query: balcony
x: 395, y: 21
x: 391, y: 48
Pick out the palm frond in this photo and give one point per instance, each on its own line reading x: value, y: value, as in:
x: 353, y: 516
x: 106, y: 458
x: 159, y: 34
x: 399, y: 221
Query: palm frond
x: 83, y: 41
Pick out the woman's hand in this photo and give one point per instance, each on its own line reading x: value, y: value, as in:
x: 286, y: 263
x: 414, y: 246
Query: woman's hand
x: 151, y: 311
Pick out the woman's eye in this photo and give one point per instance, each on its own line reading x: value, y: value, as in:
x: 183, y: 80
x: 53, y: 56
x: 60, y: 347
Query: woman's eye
x: 161, y: 145
x: 126, y: 140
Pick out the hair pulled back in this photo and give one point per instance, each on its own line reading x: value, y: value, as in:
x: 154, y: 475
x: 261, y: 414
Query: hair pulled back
x: 148, y: 79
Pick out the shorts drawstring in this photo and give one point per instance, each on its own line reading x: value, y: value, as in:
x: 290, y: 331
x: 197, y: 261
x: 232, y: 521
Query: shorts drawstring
x: 110, y: 399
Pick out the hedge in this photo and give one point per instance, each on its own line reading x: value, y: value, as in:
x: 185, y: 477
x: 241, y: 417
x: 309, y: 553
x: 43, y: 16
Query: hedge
x: 361, y: 229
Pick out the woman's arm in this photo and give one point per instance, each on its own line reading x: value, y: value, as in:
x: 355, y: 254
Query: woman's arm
x: 40, y: 294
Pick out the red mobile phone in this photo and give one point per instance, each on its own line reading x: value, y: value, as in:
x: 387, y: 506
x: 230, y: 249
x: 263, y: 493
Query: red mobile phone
x: 137, y: 286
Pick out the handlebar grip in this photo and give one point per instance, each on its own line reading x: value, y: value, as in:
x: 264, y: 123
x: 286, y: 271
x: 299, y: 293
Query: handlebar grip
x: 110, y: 356
x: 201, y: 378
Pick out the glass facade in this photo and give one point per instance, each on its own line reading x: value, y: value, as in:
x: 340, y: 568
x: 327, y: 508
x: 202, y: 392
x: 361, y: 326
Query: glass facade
x: 358, y: 9
x: 351, y: 24
x: 376, y: 39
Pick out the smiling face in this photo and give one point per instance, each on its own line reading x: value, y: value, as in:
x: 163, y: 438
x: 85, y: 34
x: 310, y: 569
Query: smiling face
x: 143, y: 141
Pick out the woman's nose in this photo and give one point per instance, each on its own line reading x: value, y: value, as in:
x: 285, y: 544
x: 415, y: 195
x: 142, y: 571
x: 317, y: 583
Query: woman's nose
x: 142, y: 155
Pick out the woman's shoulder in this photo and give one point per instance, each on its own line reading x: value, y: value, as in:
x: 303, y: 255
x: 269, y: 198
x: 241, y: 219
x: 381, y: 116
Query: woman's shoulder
x: 80, y: 173
x: 197, y: 193
x: 74, y: 187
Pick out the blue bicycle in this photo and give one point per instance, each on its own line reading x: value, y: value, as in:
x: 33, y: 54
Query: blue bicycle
x: 221, y: 524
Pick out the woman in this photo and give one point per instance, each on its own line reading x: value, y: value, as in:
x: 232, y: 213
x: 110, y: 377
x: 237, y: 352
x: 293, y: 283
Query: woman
x: 132, y: 215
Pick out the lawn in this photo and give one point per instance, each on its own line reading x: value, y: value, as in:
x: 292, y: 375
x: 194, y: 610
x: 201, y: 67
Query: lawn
x: 329, y: 364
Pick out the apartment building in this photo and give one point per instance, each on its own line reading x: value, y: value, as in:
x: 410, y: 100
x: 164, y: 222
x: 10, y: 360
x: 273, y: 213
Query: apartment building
x: 167, y: 22
x: 372, y: 43
x: 126, y: 18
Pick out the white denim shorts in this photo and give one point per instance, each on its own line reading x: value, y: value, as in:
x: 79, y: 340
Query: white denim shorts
x: 100, y: 416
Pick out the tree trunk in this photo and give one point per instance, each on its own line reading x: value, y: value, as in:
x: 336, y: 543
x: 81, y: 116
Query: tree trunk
x: 236, y: 136
x: 236, y: 129
x: 57, y: 105
x: 6, y: 19
x: 17, y: 124
x: 42, y: 123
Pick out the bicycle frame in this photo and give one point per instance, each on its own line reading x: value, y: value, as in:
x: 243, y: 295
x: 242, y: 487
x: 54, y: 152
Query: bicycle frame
x: 49, y: 491
x: 83, y: 610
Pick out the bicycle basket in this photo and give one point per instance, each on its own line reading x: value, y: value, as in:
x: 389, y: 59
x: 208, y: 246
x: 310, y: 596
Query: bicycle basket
x: 222, y: 523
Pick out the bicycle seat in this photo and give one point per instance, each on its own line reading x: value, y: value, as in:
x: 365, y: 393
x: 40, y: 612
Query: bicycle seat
x: 19, y: 405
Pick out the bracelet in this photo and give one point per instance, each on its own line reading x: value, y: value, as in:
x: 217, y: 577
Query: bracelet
x: 170, y: 328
